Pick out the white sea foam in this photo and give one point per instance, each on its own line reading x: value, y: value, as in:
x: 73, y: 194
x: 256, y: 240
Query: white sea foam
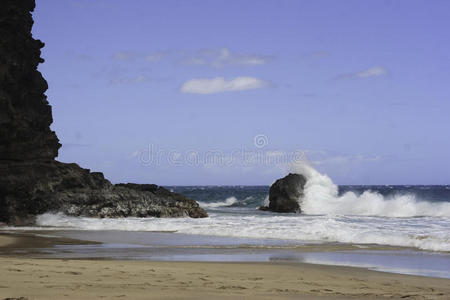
x: 428, y: 233
x: 228, y: 202
x: 368, y: 218
x: 321, y: 197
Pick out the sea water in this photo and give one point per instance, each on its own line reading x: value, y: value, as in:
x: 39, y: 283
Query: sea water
x: 408, y: 216
x: 415, y: 217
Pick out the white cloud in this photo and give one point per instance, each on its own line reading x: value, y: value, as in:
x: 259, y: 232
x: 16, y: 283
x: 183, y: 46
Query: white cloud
x: 218, y: 58
x: 371, y: 72
x: 219, y: 85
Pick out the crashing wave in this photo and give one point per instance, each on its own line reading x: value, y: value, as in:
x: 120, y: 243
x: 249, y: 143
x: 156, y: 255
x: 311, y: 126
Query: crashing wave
x: 228, y: 202
x: 321, y: 196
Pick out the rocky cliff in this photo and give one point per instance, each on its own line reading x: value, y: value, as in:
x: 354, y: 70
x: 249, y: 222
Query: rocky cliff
x: 31, y: 180
x: 25, y: 115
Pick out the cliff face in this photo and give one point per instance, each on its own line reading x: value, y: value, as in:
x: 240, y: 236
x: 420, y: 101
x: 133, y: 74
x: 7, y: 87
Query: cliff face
x: 25, y: 115
x: 31, y: 180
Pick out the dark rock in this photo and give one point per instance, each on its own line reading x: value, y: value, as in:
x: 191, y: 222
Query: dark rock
x: 25, y: 114
x: 30, y: 188
x: 286, y: 193
x: 140, y: 187
x: 32, y: 182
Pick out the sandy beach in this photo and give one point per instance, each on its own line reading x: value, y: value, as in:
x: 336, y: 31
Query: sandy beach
x: 87, y: 279
x: 224, y: 150
x: 109, y: 279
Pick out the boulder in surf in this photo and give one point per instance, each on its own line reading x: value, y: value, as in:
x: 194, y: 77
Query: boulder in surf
x: 286, y: 193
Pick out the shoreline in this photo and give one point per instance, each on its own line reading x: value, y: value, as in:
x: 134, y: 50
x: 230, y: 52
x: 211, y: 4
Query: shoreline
x: 175, y: 247
x: 75, y: 278
x: 28, y: 237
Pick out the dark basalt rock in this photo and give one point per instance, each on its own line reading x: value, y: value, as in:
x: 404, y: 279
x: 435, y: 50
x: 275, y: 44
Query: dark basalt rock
x: 31, y: 180
x: 285, y: 194
x: 25, y: 114
x: 30, y: 188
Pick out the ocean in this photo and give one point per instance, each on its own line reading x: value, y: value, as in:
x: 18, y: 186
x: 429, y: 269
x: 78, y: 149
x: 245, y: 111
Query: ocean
x: 403, y: 229
x: 415, y: 216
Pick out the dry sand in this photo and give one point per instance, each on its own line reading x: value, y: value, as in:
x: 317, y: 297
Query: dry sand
x: 112, y: 279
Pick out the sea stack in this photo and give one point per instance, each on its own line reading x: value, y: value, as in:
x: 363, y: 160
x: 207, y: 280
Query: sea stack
x: 32, y: 182
x: 286, y: 193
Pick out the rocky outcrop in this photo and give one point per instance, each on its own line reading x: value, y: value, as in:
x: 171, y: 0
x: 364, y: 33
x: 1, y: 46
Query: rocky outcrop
x: 29, y: 188
x: 286, y: 193
x: 31, y: 180
x: 25, y: 115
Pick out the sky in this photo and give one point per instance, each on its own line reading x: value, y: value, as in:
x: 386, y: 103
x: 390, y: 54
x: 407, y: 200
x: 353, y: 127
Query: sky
x: 233, y: 92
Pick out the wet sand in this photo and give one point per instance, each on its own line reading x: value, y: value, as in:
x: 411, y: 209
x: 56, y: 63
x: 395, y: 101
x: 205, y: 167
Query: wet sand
x: 21, y: 276
x: 6, y: 241
x: 26, y: 243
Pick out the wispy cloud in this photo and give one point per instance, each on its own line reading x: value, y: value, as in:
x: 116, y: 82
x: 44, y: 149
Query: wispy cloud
x: 220, y: 84
x: 372, y: 72
x: 218, y: 58
x: 376, y: 71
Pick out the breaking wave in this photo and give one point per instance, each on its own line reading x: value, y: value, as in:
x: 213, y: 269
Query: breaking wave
x: 398, y: 216
x: 427, y: 233
x: 321, y: 196
x: 228, y: 202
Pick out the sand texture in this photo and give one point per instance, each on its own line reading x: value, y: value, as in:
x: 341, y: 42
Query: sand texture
x: 109, y: 279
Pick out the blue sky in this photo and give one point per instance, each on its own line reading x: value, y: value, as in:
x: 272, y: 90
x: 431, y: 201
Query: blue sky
x: 230, y: 92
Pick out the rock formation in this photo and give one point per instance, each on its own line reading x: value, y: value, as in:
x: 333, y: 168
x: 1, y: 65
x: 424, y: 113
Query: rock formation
x: 285, y: 194
x: 31, y: 180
